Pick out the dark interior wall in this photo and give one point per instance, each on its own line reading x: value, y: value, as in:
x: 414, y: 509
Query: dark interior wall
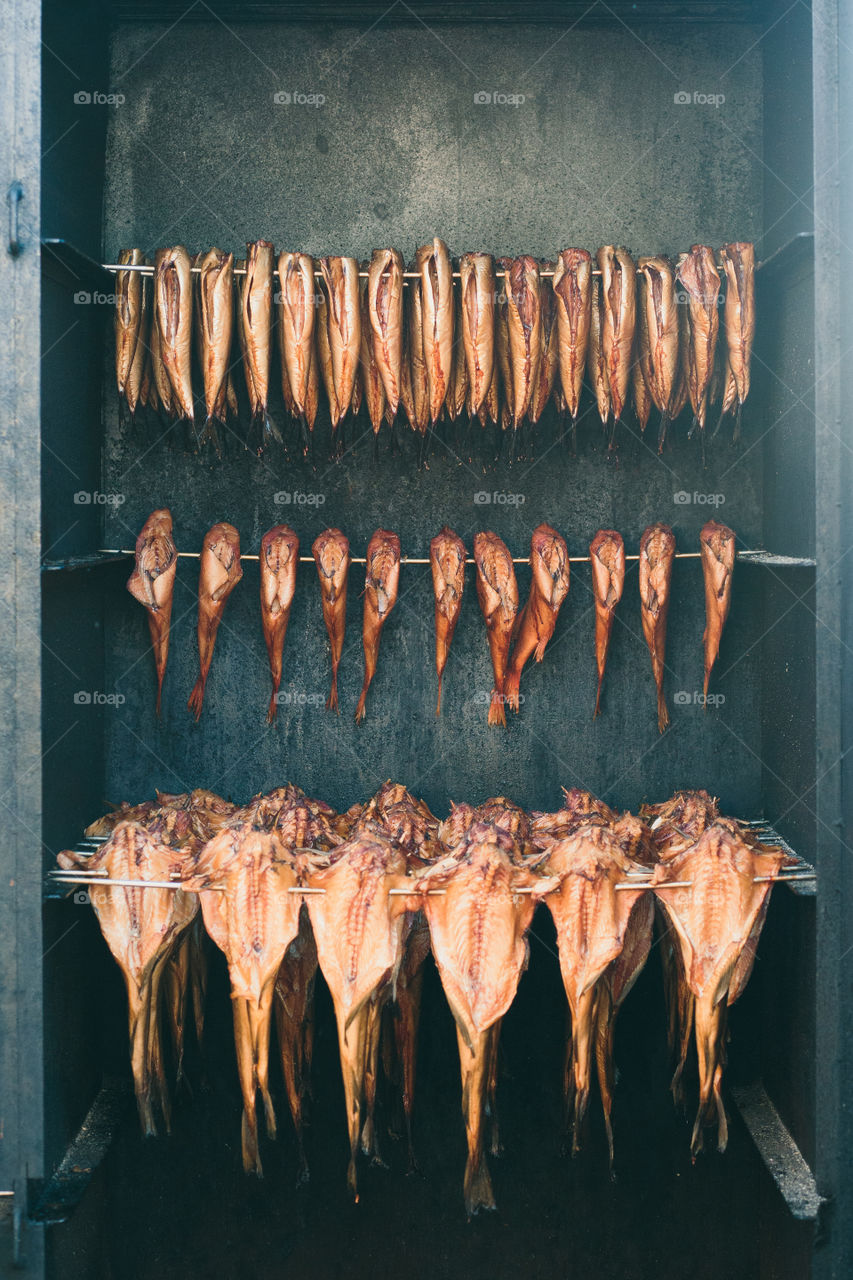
x: 74, y: 45
x: 397, y: 156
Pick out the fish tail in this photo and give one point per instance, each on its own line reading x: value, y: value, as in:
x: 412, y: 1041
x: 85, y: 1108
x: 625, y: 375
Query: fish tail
x: 332, y: 700
x: 360, y: 711
x: 706, y: 682
x: 497, y: 713
x: 598, y: 695
x: 210, y: 435
x: 694, y: 427
x: 160, y: 675
x: 738, y: 417
x: 272, y: 709
x: 664, y: 424
x: 511, y: 685
x: 663, y: 714
x: 719, y: 424
x: 196, y: 698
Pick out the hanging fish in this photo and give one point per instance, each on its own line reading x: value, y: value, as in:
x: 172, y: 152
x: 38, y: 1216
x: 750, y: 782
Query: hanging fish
x: 385, y: 318
x: 572, y: 285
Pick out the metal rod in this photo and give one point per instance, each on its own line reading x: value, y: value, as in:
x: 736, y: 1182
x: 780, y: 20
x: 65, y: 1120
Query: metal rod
x: 679, y: 555
x: 147, y: 269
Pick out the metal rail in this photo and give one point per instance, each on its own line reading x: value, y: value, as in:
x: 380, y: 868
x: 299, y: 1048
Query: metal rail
x: 748, y: 557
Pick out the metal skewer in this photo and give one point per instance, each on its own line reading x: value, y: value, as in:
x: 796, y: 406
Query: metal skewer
x: 194, y: 555
x: 147, y: 269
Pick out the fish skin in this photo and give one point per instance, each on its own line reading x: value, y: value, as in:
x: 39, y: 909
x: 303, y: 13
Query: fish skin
x: 136, y: 377
x: 739, y: 314
x: 432, y: 262
x: 332, y: 558
x: 661, y: 317
x: 497, y: 592
x: 219, y: 573
x: 386, y: 320
x: 418, y: 385
x: 128, y: 314
x: 524, y: 330
x: 478, y: 292
x: 718, y: 543
x: 140, y: 927
x: 159, y: 374
x: 592, y: 921
x: 697, y: 272
x: 152, y: 583
x: 296, y: 315
x: 596, y: 361
x: 607, y: 559
x: 714, y: 925
x: 657, y: 557
x: 619, y: 302
x: 173, y: 302
x: 549, y: 586
x: 447, y: 556
x: 340, y: 276
x: 215, y: 295
x: 382, y: 581
x: 324, y: 359
x: 478, y: 933
x: 360, y: 933
x: 370, y: 371
x: 548, y: 356
x: 572, y: 286
x: 641, y: 395
x: 256, y: 337
x: 503, y: 364
x: 457, y: 395
x: 279, y: 563
x: 253, y: 922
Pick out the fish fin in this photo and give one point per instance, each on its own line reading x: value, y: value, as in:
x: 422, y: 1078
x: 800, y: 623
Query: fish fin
x: 662, y: 430
x: 196, y: 698
x: 210, y: 435
x: 511, y: 696
x: 497, y: 714
x: 738, y: 417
